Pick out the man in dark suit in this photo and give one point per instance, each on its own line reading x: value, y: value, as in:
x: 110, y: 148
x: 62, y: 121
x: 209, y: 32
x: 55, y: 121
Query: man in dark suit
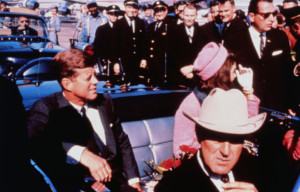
x: 103, y: 43
x: 227, y: 14
x: 266, y: 51
x: 179, y: 7
x: 212, y: 31
x: 23, y: 28
x: 219, y: 165
x: 129, y: 44
x: 183, y: 48
x: 76, y: 133
x: 157, y: 41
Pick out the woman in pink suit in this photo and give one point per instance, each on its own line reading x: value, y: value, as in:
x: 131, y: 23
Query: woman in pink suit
x: 215, y: 67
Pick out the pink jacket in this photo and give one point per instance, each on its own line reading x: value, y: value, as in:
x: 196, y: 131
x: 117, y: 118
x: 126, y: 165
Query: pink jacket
x: 184, y: 129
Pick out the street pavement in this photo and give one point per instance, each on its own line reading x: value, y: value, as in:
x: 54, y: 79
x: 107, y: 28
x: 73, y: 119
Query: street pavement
x: 66, y: 32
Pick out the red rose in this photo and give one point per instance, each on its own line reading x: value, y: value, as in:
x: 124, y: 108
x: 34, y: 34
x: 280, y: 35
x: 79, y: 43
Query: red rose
x: 169, y: 163
x: 177, y: 163
x: 184, y: 148
x: 192, y: 151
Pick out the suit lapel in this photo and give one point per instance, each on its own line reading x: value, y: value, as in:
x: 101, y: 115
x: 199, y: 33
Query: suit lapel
x: 110, y: 139
x: 251, y: 49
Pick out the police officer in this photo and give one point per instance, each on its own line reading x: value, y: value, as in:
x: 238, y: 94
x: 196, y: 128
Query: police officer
x: 129, y: 44
x: 103, y: 43
x: 53, y: 25
x: 157, y: 41
x: 92, y: 22
x: 148, y: 19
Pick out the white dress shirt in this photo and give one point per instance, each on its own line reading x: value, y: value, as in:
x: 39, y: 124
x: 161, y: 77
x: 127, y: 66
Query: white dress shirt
x: 190, y: 32
x: 255, y: 36
x: 74, y: 154
x: 111, y: 24
x: 216, y: 179
x: 129, y: 23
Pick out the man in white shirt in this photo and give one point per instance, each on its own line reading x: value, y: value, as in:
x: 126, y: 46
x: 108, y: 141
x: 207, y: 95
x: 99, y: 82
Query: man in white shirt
x: 219, y: 164
x: 75, y: 133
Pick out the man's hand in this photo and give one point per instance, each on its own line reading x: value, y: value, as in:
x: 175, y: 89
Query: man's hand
x: 99, y: 168
x: 291, y: 112
x: 98, y: 187
x: 187, y: 69
x: 137, y: 186
x: 190, y: 76
x: 116, y: 68
x: 143, y: 64
x: 239, y: 187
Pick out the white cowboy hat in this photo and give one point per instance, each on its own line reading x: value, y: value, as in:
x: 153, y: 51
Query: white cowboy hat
x: 227, y: 112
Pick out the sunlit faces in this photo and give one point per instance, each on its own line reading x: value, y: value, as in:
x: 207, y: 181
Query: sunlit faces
x: 53, y: 12
x: 226, y: 11
x: 3, y: 6
x: 93, y: 9
x: 148, y: 12
x: 179, y: 11
x: 161, y: 13
x: 82, y: 86
x: 23, y: 21
x: 130, y: 11
x: 135, y: 12
x: 112, y: 17
x: 214, y: 10
x: 189, y: 16
x: 262, y: 20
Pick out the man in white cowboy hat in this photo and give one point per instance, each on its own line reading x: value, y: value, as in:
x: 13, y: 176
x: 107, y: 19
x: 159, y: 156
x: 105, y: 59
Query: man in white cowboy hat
x: 221, y: 129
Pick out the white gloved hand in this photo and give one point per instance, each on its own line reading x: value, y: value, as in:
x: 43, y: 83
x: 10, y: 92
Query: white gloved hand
x: 245, y: 77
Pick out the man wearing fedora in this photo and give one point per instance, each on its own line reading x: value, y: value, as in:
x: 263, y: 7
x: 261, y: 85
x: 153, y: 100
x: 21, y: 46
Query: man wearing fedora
x: 219, y: 164
x: 129, y: 44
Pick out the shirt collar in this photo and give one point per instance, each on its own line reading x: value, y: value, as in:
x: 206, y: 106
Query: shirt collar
x: 77, y: 107
x: 254, y: 32
x: 110, y: 23
x: 128, y: 20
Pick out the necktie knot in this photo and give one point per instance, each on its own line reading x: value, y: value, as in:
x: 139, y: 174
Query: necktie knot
x: 83, y: 111
x: 131, y: 19
x: 225, y: 178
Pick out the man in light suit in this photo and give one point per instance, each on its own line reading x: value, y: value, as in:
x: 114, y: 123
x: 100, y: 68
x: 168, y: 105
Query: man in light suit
x: 76, y: 133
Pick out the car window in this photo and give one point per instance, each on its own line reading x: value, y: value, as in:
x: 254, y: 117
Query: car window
x: 22, y: 26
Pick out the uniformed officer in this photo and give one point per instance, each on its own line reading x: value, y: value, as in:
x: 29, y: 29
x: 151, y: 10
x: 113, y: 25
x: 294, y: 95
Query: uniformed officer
x: 92, y: 22
x: 148, y: 19
x: 130, y: 45
x: 157, y: 41
x: 84, y: 14
x: 103, y: 44
x: 53, y: 25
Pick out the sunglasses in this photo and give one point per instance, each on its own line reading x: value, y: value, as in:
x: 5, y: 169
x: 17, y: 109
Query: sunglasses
x: 180, y: 11
x: 24, y: 21
x: 267, y: 15
x: 159, y: 9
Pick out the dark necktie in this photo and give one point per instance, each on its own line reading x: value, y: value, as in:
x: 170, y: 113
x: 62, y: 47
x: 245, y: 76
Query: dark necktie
x: 262, y: 45
x: 225, y: 178
x: 103, y: 151
x: 132, y: 20
x: 189, y: 33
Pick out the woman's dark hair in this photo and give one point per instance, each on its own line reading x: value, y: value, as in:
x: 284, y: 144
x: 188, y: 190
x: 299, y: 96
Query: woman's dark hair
x: 221, y: 78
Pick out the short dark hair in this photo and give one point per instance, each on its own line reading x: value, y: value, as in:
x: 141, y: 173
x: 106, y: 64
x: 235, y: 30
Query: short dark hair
x: 224, y: 1
x: 240, y: 14
x: 190, y: 6
x: 66, y: 62
x: 213, y: 3
x: 288, y: 1
x: 179, y: 3
x: 253, y: 5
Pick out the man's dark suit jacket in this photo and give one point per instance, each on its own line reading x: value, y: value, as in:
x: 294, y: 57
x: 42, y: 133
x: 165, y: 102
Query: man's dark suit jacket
x: 103, y: 41
x: 29, y: 31
x: 209, y: 32
x: 54, y: 126
x: 181, y: 52
x: 157, y: 41
x: 130, y: 47
x: 271, y: 73
x: 189, y: 176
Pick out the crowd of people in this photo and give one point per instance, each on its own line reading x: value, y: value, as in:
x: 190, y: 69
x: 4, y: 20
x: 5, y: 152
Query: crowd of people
x: 234, y: 65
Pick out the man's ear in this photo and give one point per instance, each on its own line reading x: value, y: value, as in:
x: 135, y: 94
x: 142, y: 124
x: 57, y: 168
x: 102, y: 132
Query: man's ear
x: 67, y: 84
x: 251, y: 17
x: 233, y: 8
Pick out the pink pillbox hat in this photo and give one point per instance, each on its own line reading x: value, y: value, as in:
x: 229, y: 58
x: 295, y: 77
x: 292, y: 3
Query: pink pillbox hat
x: 209, y: 60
